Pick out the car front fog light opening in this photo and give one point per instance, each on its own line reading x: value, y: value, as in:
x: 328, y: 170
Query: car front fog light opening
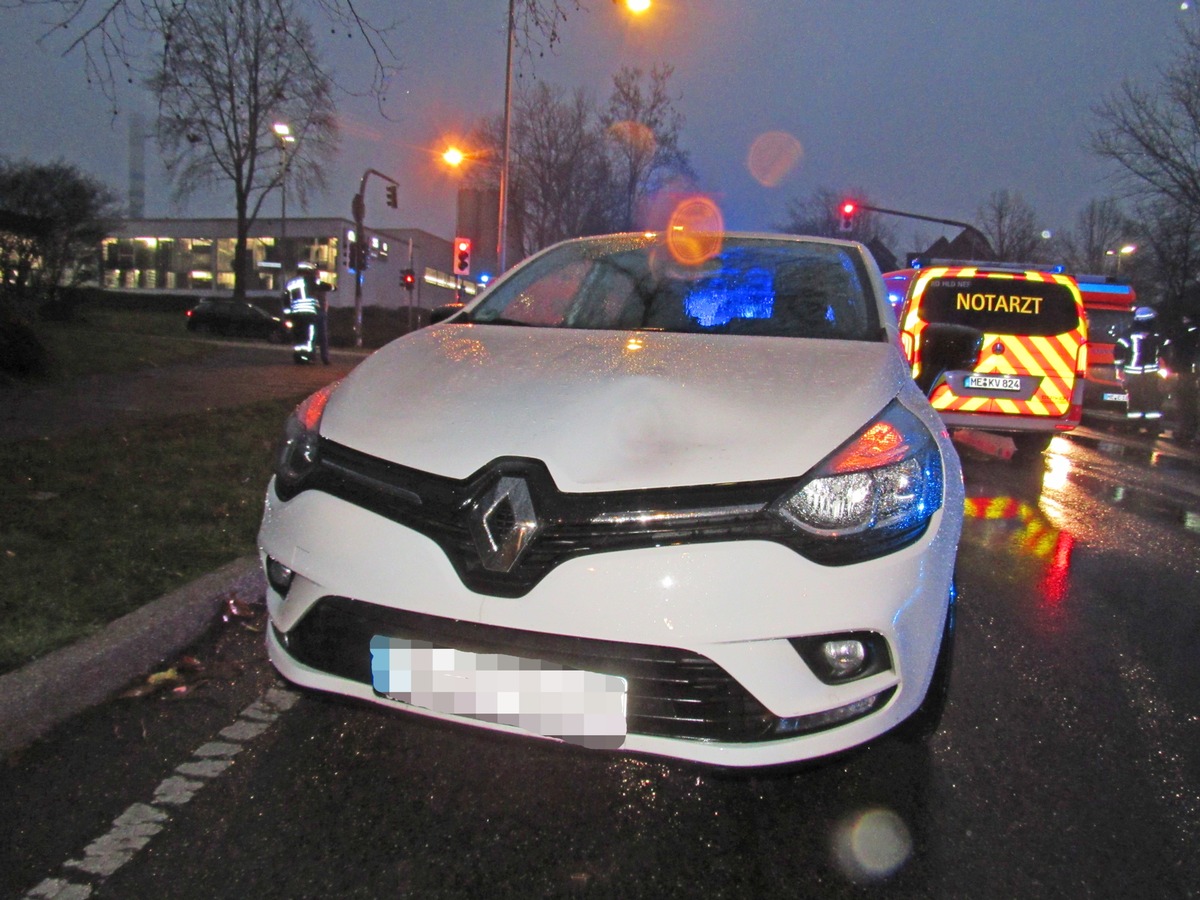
x: 279, y: 576
x: 838, y: 658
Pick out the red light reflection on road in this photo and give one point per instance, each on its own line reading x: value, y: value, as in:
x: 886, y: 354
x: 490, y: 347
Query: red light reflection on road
x: 1019, y: 529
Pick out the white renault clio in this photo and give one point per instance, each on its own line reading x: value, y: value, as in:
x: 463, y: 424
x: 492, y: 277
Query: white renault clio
x: 662, y: 495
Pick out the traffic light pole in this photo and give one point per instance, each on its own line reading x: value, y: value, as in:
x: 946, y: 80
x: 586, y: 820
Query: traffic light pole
x: 358, y: 206
x: 965, y: 226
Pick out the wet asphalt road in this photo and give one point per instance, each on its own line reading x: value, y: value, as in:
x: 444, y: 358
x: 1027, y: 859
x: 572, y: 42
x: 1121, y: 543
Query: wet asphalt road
x: 1068, y: 764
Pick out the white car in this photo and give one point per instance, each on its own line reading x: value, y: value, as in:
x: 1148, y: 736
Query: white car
x: 671, y: 495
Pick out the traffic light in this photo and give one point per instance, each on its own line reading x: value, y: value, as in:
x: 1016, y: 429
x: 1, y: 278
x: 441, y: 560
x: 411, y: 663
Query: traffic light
x: 391, y: 196
x: 462, y: 256
x: 847, y: 210
x: 408, y: 278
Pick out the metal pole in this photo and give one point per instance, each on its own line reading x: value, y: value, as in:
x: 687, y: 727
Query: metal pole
x: 966, y: 226
x: 358, y: 208
x: 502, y: 229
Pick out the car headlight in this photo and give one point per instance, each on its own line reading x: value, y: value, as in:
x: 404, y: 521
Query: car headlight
x: 886, y: 481
x: 298, y: 452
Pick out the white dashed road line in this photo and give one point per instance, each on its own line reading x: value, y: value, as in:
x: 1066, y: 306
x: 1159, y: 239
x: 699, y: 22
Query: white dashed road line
x: 133, y: 829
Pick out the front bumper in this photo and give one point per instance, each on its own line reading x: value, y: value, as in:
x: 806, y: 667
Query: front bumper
x: 700, y: 632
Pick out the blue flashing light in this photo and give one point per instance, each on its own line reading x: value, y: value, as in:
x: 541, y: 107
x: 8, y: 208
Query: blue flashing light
x: 485, y: 278
x: 720, y: 300
x: 1095, y: 288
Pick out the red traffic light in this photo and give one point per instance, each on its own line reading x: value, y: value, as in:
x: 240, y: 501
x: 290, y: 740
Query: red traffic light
x: 462, y: 256
x: 847, y: 210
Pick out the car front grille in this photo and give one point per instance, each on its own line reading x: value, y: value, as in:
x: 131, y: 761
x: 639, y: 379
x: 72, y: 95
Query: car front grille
x: 572, y: 524
x: 671, y: 692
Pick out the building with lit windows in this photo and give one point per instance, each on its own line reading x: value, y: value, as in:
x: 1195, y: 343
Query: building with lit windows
x: 195, y: 257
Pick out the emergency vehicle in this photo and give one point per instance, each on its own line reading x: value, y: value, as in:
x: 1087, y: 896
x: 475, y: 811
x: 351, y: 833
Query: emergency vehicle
x: 996, y: 347
x: 1109, y: 306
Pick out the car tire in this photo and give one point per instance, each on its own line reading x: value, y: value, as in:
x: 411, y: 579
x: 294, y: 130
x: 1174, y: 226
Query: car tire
x: 924, y: 723
x: 1032, y: 444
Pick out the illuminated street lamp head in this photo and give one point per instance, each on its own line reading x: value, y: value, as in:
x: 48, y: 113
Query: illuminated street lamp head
x: 636, y: 6
x: 284, y: 132
x: 453, y: 156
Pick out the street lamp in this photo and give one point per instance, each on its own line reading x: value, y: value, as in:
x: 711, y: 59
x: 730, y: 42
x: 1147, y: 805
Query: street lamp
x: 284, y: 133
x: 1118, y: 253
x: 635, y: 6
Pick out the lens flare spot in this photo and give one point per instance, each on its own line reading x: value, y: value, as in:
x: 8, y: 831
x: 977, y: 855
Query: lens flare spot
x: 772, y: 156
x: 872, y: 845
x: 694, y: 230
x: 636, y: 138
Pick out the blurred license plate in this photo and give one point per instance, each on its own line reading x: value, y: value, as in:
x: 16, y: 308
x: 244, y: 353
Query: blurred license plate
x: 993, y: 382
x: 544, y: 698
x: 1117, y: 398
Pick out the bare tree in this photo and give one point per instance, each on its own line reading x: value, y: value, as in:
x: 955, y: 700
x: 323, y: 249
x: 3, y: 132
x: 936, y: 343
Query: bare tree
x: 578, y: 170
x: 1169, y: 254
x: 819, y: 215
x: 562, y: 172
x: 643, y: 128
x: 1154, y: 137
x: 1010, y: 224
x: 229, y: 73
x: 52, y: 219
x: 1100, y: 228
x: 117, y: 40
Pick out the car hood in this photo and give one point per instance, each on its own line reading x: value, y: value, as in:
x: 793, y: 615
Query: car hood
x: 607, y: 410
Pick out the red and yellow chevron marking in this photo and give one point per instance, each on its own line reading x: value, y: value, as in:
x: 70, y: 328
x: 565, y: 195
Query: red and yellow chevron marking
x: 1058, y: 359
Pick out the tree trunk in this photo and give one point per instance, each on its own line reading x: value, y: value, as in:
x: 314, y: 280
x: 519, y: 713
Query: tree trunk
x: 240, y: 254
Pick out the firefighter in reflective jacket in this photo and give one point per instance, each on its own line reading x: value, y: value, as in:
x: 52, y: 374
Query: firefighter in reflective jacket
x: 308, y: 310
x: 1137, y: 355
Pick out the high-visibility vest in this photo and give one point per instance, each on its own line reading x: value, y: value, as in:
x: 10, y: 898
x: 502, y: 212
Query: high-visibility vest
x: 300, y: 302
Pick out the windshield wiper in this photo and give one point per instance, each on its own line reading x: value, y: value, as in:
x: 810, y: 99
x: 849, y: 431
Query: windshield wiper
x: 501, y: 320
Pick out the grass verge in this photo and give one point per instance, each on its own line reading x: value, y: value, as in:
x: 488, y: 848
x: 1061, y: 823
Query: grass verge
x: 112, y: 342
x: 96, y: 525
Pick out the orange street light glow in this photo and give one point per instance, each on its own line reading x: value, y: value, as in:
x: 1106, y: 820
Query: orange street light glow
x: 637, y: 6
x: 453, y: 156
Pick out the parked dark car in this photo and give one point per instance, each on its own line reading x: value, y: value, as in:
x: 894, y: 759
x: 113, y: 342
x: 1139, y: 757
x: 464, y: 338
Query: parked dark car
x: 231, y: 318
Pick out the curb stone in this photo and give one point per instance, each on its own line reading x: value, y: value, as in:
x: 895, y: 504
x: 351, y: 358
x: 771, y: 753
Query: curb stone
x: 50, y: 690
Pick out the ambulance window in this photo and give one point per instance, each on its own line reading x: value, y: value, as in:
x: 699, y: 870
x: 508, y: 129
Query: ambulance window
x: 1001, y: 306
x: 1106, y: 325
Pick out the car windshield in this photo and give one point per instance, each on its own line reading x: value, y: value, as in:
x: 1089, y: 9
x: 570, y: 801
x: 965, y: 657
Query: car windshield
x: 748, y: 286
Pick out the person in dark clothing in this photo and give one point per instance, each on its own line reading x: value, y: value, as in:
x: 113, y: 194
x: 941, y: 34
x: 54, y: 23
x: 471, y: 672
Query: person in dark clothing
x: 1185, y: 362
x: 1137, y: 355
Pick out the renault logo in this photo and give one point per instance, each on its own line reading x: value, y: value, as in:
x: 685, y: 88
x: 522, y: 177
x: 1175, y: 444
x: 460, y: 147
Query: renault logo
x: 503, y: 523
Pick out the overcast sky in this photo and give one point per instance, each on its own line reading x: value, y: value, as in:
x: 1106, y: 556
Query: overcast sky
x: 926, y: 105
